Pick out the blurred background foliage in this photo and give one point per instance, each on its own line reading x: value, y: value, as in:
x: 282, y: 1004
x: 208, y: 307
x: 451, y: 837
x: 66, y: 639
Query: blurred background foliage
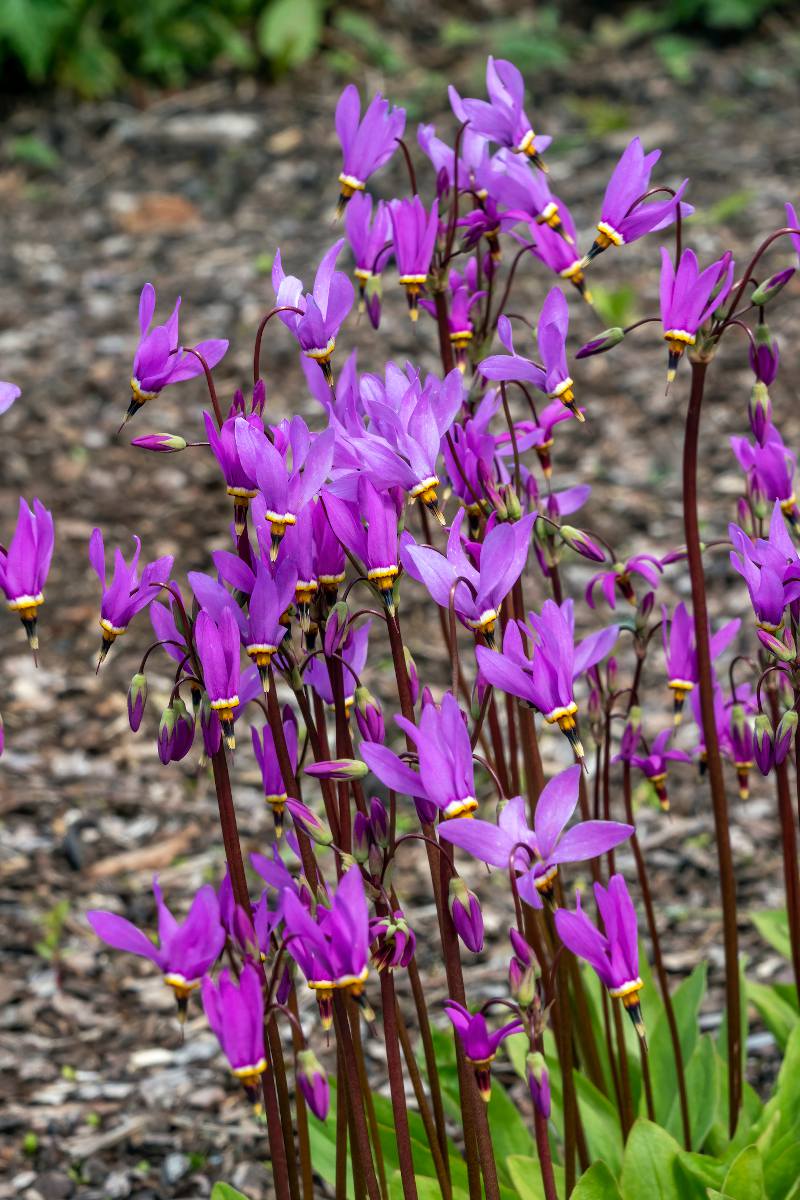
x: 98, y: 47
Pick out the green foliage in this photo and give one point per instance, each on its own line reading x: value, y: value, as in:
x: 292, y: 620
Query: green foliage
x: 52, y: 927
x: 225, y: 1191
x: 94, y: 46
x: 614, y: 306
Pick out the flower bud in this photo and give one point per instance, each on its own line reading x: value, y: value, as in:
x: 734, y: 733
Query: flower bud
x: 210, y: 727
x: 763, y: 743
x: 379, y: 822
x: 161, y: 443
x: 581, y: 543
x: 313, y: 1083
x: 765, y: 357
x: 523, y: 970
x: 759, y: 411
x: 538, y: 1082
x: 413, y: 677
x: 604, y: 341
x: 360, y: 838
x: 369, y: 717
x: 466, y: 913
x: 512, y: 504
x: 336, y: 628
x: 784, y: 735
x: 338, y: 768
x: 309, y: 822
x: 744, y: 517
x: 769, y: 289
x: 782, y: 648
x: 631, y: 733
x: 137, y: 698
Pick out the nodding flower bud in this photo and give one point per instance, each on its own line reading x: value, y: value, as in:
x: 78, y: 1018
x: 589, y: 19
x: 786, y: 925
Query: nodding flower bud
x: 369, y: 717
x: 538, y: 1082
x: 769, y: 289
x: 137, y: 698
x: 309, y: 822
x: 379, y: 822
x: 631, y: 733
x: 523, y: 970
x: 781, y: 647
x: 413, y: 677
x: 759, y: 411
x: 175, y: 732
x: 361, y: 838
x: 336, y: 628
x: 606, y: 340
x: 512, y: 504
x: 763, y: 743
x: 466, y: 913
x: 784, y: 735
x: 581, y: 543
x: 161, y: 443
x: 744, y: 517
x: 338, y: 768
x: 393, y: 941
x: 313, y: 1083
x: 646, y: 606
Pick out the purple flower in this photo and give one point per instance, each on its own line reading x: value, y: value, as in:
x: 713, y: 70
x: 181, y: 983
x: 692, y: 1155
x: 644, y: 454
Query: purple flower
x: 235, y: 1012
x: 765, y: 355
x: 159, y: 358
x: 9, y: 392
x: 128, y: 592
x: 622, y: 219
x: 770, y: 468
x: 324, y: 309
x: 688, y: 298
x: 478, y: 591
x: 557, y: 249
x: 24, y: 566
x: 472, y: 456
x: 218, y: 648
x: 241, y: 486
x: 538, y: 1083
x: 414, y: 235
x: 137, y: 699
x: 286, y: 491
x: 373, y: 543
x: 618, y: 579
x: 771, y: 570
x: 266, y: 757
x: 479, y: 1045
x: 354, y: 651
x: 331, y: 948
x: 503, y: 119
x: 553, y: 377
x: 680, y: 652
x: 793, y: 223
x: 525, y: 192
x: 654, y: 764
x: 370, y: 238
x: 366, y: 144
x: 271, y: 594
x: 536, y: 853
x: 537, y: 435
x: 445, y: 781
x: 185, y: 950
x: 473, y: 157
x: 546, y: 679
x: 614, y: 955
x: 313, y: 1083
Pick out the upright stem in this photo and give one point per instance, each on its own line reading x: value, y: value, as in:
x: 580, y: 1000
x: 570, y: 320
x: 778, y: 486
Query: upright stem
x: 361, y: 1147
x: 431, y: 1065
x: 230, y: 830
x: 439, y: 1156
x: 545, y: 1155
x: 714, y: 761
x: 284, y: 1107
x: 649, y: 910
x: 397, y: 1086
x: 789, y: 848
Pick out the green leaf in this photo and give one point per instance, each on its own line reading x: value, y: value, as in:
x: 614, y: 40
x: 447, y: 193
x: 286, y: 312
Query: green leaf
x: 526, y: 1177
x: 745, y: 1178
x: 773, y: 925
x: 289, y: 31
x: 782, y: 1171
x: 779, y: 1017
x: 686, y: 1001
x: 601, y: 1125
x: 649, y: 1161
x: 697, y: 1173
x: 225, y: 1191
x: 702, y: 1086
x: 597, y: 1184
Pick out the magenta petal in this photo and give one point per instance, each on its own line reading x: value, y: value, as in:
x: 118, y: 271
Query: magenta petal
x: 589, y: 839
x: 122, y: 934
x: 554, y: 808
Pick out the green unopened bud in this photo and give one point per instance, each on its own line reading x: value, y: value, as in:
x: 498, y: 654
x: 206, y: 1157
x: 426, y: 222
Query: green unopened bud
x: 137, y: 698
x: 338, y: 768
x: 309, y: 822
x: 604, y: 341
x: 161, y: 443
x: 513, y: 506
x: 770, y: 288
